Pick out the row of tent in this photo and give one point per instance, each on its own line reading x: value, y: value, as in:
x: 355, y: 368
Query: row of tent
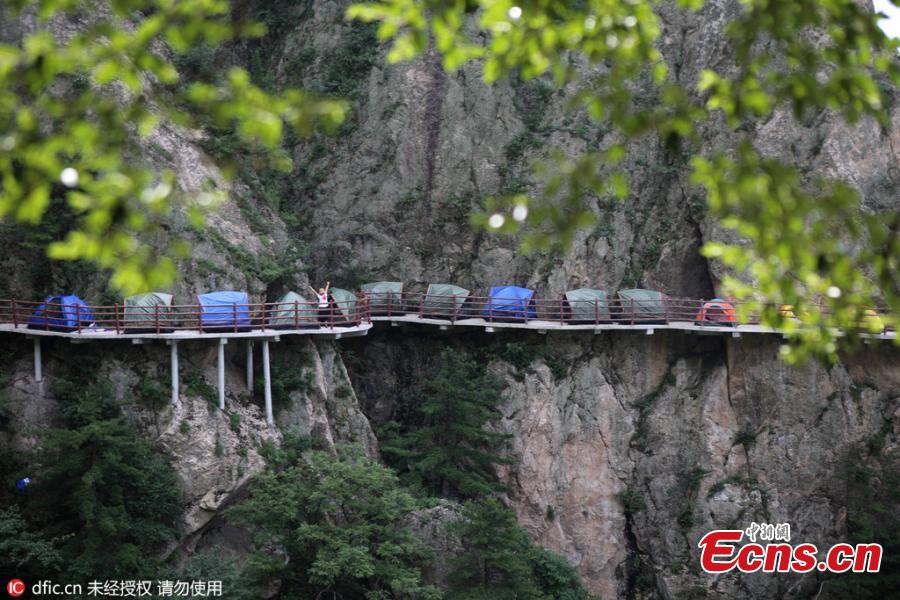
x: 512, y: 302
x: 230, y: 309
x: 585, y: 305
x: 222, y: 309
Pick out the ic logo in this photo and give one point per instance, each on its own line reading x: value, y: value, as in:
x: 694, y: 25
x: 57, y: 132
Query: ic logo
x: 15, y: 587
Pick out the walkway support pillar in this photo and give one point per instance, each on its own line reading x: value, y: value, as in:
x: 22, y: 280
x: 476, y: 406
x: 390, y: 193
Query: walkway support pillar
x: 222, y: 342
x: 250, y: 365
x: 174, y: 352
x: 267, y: 380
x: 38, y: 367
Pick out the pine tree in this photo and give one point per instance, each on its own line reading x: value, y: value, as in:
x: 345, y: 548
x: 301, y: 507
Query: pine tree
x: 451, y: 452
x: 499, y: 561
x: 103, y: 492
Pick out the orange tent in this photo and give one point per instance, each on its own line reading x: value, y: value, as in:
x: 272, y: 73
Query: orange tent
x: 716, y: 311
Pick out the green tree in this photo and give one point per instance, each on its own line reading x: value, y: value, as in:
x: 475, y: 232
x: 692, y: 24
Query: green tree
x: 339, y: 522
x: 872, y: 498
x: 500, y: 562
x: 208, y: 565
x: 809, y: 239
x: 101, y: 491
x: 448, y: 447
x: 24, y: 552
x: 73, y: 109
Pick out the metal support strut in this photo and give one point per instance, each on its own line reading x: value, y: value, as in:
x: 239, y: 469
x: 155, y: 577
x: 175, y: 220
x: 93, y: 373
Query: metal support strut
x: 267, y: 380
x: 222, y: 342
x: 250, y: 365
x: 174, y: 352
x: 38, y: 368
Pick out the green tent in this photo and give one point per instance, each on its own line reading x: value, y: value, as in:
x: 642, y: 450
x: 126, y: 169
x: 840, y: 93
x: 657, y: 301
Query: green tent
x: 384, y: 295
x: 642, y: 305
x: 586, y: 304
x: 293, y: 310
x: 142, y: 310
x: 444, y: 300
x: 345, y: 305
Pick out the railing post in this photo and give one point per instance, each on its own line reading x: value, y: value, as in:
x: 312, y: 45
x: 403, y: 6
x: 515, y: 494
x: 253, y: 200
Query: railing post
x: 390, y: 303
x: 562, y: 311
x: 15, y: 317
x: 78, y: 318
x: 596, y: 311
x: 455, y: 309
x: 632, y: 311
x: 116, y: 316
x: 296, y: 314
x: 156, y: 317
x: 421, y: 305
x: 234, y: 316
x: 199, y: 318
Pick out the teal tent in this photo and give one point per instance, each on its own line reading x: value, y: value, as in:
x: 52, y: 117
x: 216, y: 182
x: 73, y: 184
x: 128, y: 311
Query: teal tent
x: 642, y: 305
x: 293, y: 311
x: 144, y: 311
x: 444, y: 300
x: 587, y: 305
x: 345, y: 307
x: 384, y: 296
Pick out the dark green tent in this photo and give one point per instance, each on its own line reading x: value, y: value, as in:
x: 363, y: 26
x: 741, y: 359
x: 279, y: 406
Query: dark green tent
x: 586, y: 304
x: 444, y: 300
x: 293, y: 310
x: 642, y: 305
x: 142, y: 310
x: 384, y: 296
x: 345, y: 306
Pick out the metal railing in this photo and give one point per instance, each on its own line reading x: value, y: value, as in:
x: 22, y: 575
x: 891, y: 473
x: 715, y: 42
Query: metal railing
x: 160, y: 319
x: 598, y: 311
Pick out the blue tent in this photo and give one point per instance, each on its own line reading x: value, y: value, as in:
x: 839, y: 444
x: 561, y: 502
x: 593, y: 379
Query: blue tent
x: 509, y: 301
x: 224, y: 310
x: 61, y: 312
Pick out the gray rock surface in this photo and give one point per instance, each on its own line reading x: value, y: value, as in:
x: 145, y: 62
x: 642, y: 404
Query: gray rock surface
x: 627, y: 448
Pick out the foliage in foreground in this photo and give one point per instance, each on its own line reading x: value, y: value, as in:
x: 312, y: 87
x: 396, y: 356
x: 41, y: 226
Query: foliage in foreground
x: 338, y: 520
x: 447, y: 448
x: 72, y: 111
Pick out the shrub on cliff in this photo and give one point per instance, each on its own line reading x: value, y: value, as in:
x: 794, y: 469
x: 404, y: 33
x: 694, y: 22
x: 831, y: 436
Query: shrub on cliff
x: 334, y: 523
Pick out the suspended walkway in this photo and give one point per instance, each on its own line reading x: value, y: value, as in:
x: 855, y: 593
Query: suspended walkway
x: 269, y: 322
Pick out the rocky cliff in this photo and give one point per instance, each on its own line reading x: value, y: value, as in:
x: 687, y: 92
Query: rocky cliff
x: 627, y: 448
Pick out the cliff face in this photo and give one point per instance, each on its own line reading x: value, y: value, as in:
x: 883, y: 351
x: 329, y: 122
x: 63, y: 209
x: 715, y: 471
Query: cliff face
x: 390, y: 197
x: 627, y: 448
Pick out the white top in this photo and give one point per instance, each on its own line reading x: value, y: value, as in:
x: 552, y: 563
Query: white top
x: 323, y: 300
